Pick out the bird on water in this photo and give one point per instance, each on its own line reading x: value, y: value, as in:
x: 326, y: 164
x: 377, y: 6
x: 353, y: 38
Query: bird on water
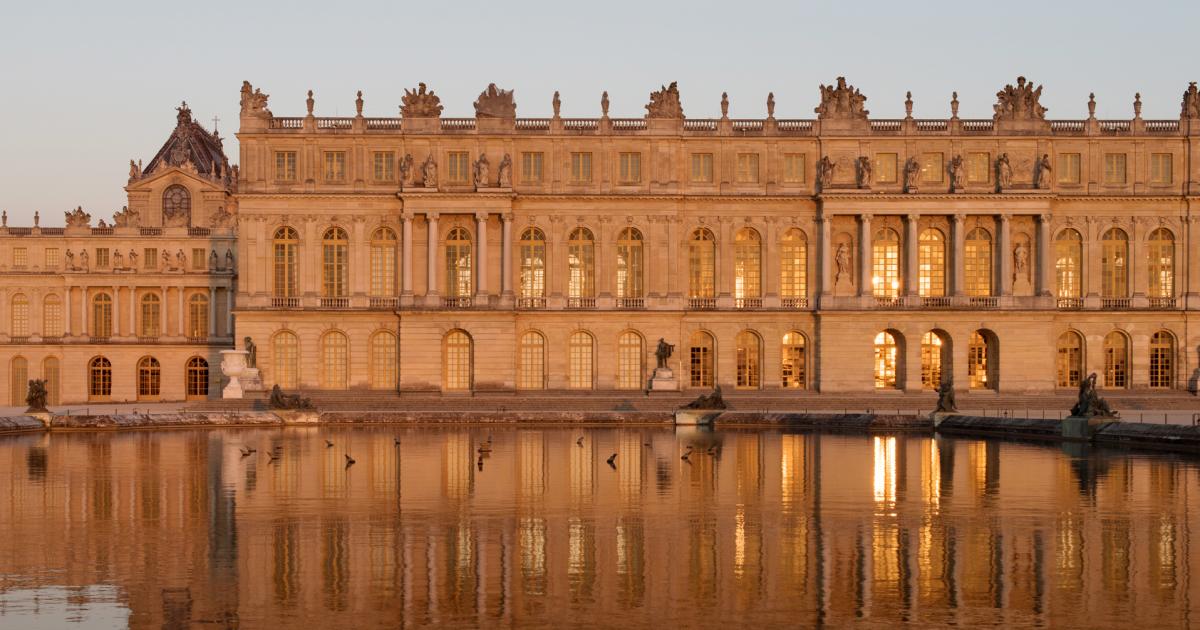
x: 612, y: 459
x: 349, y: 460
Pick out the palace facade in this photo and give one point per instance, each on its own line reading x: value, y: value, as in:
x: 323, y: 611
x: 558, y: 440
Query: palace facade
x: 839, y: 254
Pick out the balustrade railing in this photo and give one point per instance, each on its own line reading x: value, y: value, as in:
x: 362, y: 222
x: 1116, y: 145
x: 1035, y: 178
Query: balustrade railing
x: 977, y: 126
x: 795, y: 127
x: 1068, y: 127
x: 285, y: 302
x: 457, y: 302
x: 286, y: 123
x: 628, y: 124
x: 794, y: 303
x: 636, y: 303
x: 888, y: 302
x: 1069, y: 304
x: 702, y: 304
x: 1116, y: 303
x: 458, y: 124
x: 532, y: 124
x: 1114, y: 127
x: 580, y: 124
x: 699, y: 124
x: 983, y: 301
x: 1161, y: 126
x: 932, y: 126
x: 747, y: 303
x: 335, y: 302
x: 1162, y: 302
x: 335, y: 123
x: 937, y: 301
x: 532, y: 303
x: 581, y: 302
x: 383, y: 303
x: 383, y: 124
x: 887, y: 126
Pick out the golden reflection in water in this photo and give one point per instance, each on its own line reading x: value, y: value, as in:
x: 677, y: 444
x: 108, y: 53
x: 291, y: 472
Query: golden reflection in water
x: 769, y: 529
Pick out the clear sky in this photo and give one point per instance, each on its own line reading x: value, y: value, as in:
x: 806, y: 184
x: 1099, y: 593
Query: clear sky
x: 88, y: 85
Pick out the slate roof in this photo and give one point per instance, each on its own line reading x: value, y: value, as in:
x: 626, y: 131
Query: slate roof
x: 191, y: 142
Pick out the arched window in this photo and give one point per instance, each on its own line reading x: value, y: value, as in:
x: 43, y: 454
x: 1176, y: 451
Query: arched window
x: 981, y: 360
x: 102, y: 316
x: 1162, y: 360
x: 51, y: 372
x: 285, y: 243
x: 196, y: 377
x: 629, y: 263
x: 749, y: 364
x: 1114, y: 257
x: 20, y: 316
x: 335, y: 251
x: 533, y: 263
x: 700, y: 360
x: 285, y: 359
x: 458, y: 263
x: 747, y: 264
x: 177, y: 205
x: 52, y: 316
x: 335, y: 356
x: 702, y: 259
x: 151, y: 324
x: 1068, y: 260
x: 197, y: 323
x: 793, y: 265
x: 581, y: 360
x: 887, y: 352
x: 933, y: 353
x: 631, y: 361
x: 99, y: 379
x: 931, y: 264
x: 977, y: 263
x: 1116, y: 360
x: 457, y: 369
x: 532, y: 354
x: 885, y: 262
x: 1069, y: 365
x: 18, y: 381
x: 1161, y: 246
x: 581, y: 264
x: 149, y: 378
x: 795, y: 361
x: 383, y: 360
x: 383, y: 262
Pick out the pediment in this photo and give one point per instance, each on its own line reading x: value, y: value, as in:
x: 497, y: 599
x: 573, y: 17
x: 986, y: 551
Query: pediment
x: 167, y: 175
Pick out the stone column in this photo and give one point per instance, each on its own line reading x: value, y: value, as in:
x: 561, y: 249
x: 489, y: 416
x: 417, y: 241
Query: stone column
x: 1045, y: 257
x: 67, y: 308
x: 1004, y: 251
x: 406, y: 272
x: 824, y: 245
x: 1136, y: 265
x: 481, y: 253
x: 83, y: 303
x: 162, y: 313
x: 116, y: 318
x: 212, y: 313
x: 133, y: 309
x: 864, y: 255
x: 911, y: 247
x: 958, y: 278
x: 724, y: 271
x: 182, y: 319
x: 506, y: 289
x: 1192, y: 260
x: 431, y: 246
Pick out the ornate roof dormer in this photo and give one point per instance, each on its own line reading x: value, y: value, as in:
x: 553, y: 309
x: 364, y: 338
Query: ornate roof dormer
x: 191, y: 147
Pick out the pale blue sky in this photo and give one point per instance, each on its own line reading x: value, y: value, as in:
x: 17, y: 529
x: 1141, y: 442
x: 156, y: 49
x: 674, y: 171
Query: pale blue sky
x: 85, y: 88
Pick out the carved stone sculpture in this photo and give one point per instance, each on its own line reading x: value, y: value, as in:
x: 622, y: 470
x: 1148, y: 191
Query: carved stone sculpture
x: 841, y: 102
x: 180, y: 260
x: 251, y: 352
x: 229, y: 260
x: 254, y: 102
x: 708, y: 401
x: 213, y: 261
x: 556, y: 103
x: 958, y: 173
x: 78, y: 218
x: 36, y: 396
x: 358, y: 104
x: 505, y: 172
x: 482, y: 169
x: 825, y: 169
x: 842, y: 259
x: 166, y: 260
x: 118, y: 260
x: 429, y: 172
x: 1137, y: 105
x: 83, y: 259
x: 1090, y: 404
x: 954, y: 105
x: 135, y: 171
x: 945, y: 403
x: 1019, y: 102
x: 1091, y: 105
x: 1020, y: 260
x: 71, y: 261
x: 724, y: 104
x: 770, y: 104
x: 133, y: 258
x: 1041, y: 176
x: 280, y: 400
x: 1190, y: 109
x: 663, y: 352
x: 604, y: 104
x: 862, y: 167
x: 309, y: 103
x: 495, y: 103
x: 125, y: 218
x: 1004, y: 172
x: 912, y: 174
x: 221, y: 218
x: 908, y: 105
x: 665, y: 103
x: 406, y: 166
x: 420, y: 103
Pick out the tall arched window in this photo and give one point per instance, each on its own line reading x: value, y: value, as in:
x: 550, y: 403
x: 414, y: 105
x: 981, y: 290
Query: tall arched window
x: 931, y: 264
x: 932, y: 352
x: 885, y: 262
x: 1114, y: 257
x: 794, y: 368
x: 53, y: 376
x: 335, y: 358
x: 629, y: 263
x: 700, y: 360
x: 793, y: 265
x: 196, y: 378
x: 99, y: 379
x: 285, y: 244
x: 177, y: 205
x: 1068, y: 260
x: 383, y: 262
x: 151, y: 316
x: 532, y: 355
x: 335, y: 266
x: 18, y: 380
x: 581, y: 264
x: 533, y: 263
x: 981, y: 361
x: 458, y: 263
x: 383, y: 360
x: 1069, y: 365
x: 631, y: 361
x: 149, y: 378
x: 1116, y: 360
x: 887, y: 352
x: 977, y: 263
x: 581, y: 360
x: 747, y: 264
x: 20, y: 316
x: 702, y: 259
x: 749, y: 362
x: 197, y: 322
x: 285, y: 359
x: 1161, y: 246
x: 102, y: 316
x: 457, y: 367
x: 52, y: 316
x: 1162, y: 360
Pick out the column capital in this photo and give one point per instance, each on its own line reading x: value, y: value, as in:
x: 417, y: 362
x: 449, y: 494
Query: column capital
x: 432, y: 216
x: 1005, y: 218
x: 913, y: 218
x: 507, y: 217
x: 1045, y: 217
x: 481, y: 217
x: 406, y: 215
x: 958, y: 217
x: 865, y: 218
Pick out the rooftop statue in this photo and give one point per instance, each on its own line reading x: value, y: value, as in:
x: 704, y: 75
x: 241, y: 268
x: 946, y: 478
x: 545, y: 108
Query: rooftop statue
x: 78, y: 218
x: 1090, y: 404
x: 254, y: 102
x: 841, y: 101
x: 1019, y: 102
x: 420, y: 103
x: 125, y: 218
x: 495, y: 103
x: 1191, y: 103
x: 184, y: 117
x: 665, y: 103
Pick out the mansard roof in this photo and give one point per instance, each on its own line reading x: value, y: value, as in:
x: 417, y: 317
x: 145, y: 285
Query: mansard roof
x: 190, y: 142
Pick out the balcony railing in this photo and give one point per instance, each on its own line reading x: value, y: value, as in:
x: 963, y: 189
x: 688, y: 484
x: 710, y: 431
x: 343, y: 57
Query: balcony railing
x: 380, y: 303
x: 1116, y: 303
x: 581, y: 302
x: 747, y: 303
x: 197, y: 340
x: 531, y: 303
x: 702, y: 304
x: 285, y: 302
x: 983, y: 301
x: 1069, y: 304
x: 888, y: 302
x: 937, y: 301
x: 794, y: 303
x: 335, y: 302
x: 1162, y: 303
x: 636, y: 303
x: 457, y: 302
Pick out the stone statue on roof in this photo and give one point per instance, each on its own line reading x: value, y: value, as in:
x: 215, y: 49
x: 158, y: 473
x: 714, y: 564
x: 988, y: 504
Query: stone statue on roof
x: 1019, y: 102
x: 841, y: 102
x: 665, y: 103
x: 495, y: 103
x: 78, y: 218
x: 420, y: 103
x: 254, y: 102
x: 1191, y: 103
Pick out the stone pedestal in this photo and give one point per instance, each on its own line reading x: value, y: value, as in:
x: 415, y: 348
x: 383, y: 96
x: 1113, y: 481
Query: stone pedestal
x: 252, y: 380
x: 43, y: 416
x: 233, y: 365
x: 664, y: 381
x: 298, y: 416
x: 1083, y: 428
x: 696, y: 416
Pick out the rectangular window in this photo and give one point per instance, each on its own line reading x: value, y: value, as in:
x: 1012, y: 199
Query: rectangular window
x: 101, y: 257
x: 150, y: 258
x: 1160, y: 168
x: 747, y: 168
x: 581, y: 168
x: 630, y: 168
x: 793, y: 168
x: 285, y: 166
x: 20, y: 257
x: 702, y: 168
x: 931, y: 168
x: 531, y: 167
x: 1114, y: 169
x: 335, y: 166
x: 385, y: 166
x: 1068, y: 168
x: 52, y: 259
x: 198, y: 260
x: 979, y: 168
x: 458, y: 167
x: 885, y: 168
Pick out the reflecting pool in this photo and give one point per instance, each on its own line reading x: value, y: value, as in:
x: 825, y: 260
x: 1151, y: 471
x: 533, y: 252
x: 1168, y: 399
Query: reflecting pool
x: 763, y: 528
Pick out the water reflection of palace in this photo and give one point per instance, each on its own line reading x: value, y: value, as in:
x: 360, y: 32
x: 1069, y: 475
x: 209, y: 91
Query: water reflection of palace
x: 775, y: 528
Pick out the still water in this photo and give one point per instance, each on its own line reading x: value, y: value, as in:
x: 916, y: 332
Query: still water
x: 763, y: 528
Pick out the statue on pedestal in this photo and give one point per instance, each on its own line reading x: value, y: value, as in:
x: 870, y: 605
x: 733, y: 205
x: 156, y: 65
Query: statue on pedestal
x: 663, y: 352
x: 36, y: 397
x: 708, y: 401
x: 251, y: 352
x: 280, y: 400
x: 945, y: 403
x: 1090, y: 404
